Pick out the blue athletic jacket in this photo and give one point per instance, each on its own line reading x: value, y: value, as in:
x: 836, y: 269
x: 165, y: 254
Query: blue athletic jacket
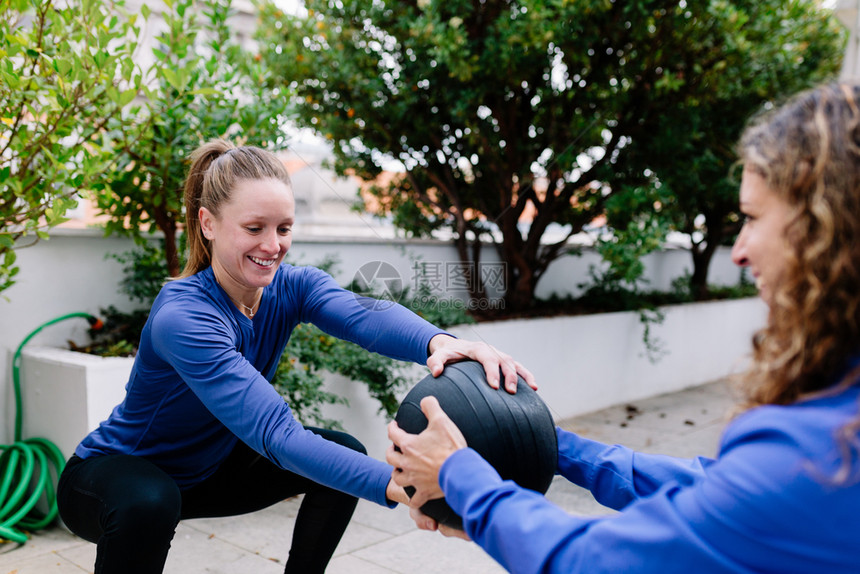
x: 200, y: 381
x: 770, y: 502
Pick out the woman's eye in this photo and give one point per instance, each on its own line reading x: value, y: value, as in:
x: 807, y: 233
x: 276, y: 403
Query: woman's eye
x: 285, y: 230
x: 253, y: 229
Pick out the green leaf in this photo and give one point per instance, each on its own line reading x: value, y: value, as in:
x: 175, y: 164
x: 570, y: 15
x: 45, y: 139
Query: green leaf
x: 127, y: 97
x: 173, y: 78
x: 56, y: 163
x: 159, y: 55
x: 11, y: 80
x: 205, y: 92
x: 18, y: 39
x: 100, y: 58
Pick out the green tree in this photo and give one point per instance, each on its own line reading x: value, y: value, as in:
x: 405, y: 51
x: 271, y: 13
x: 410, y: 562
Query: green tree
x: 512, y: 118
x: 202, y: 85
x: 65, y: 73
x: 774, y: 49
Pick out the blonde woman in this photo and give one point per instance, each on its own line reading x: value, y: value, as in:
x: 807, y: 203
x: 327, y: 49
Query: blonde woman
x: 783, y: 494
x: 201, y: 431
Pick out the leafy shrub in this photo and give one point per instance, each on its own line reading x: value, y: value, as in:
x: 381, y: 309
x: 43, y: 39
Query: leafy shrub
x: 68, y: 77
x: 310, y: 353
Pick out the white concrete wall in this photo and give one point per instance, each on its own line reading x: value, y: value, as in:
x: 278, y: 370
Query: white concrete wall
x: 65, y: 394
x: 587, y: 363
x: 71, y: 273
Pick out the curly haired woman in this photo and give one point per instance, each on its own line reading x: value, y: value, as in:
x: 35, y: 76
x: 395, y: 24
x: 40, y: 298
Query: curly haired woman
x: 783, y: 494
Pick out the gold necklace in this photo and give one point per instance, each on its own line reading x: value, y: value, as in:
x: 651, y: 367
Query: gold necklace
x: 250, y: 309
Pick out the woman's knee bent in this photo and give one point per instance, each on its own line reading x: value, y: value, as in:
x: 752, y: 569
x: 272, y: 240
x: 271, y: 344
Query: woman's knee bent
x: 118, y: 496
x: 340, y: 438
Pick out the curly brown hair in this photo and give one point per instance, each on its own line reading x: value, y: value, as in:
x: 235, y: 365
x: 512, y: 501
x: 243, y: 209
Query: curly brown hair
x: 808, y: 152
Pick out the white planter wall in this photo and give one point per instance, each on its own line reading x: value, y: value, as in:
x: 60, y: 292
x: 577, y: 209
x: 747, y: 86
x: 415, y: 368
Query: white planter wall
x: 65, y: 394
x: 587, y: 363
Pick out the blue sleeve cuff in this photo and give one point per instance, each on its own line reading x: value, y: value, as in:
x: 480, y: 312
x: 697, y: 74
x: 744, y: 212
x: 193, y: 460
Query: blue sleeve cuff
x: 459, y: 475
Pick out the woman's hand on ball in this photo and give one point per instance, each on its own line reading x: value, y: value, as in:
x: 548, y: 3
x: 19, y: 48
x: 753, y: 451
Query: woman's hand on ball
x: 395, y: 493
x: 453, y: 532
x: 424, y: 522
x: 419, y: 458
x: 445, y: 349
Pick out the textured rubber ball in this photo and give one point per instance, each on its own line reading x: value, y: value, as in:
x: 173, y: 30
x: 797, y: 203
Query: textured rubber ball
x: 514, y: 433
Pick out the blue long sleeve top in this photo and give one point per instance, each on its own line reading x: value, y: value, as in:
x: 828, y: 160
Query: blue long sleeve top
x: 201, y: 379
x: 770, y: 502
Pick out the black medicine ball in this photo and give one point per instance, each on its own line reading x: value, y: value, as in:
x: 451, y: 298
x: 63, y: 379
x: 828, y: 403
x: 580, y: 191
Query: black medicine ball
x: 514, y: 433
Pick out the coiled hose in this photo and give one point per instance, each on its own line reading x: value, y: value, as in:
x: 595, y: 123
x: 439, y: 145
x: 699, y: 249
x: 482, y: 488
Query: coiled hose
x: 25, y: 474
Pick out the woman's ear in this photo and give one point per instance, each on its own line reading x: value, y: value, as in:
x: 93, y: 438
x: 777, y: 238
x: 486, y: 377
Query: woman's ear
x: 207, y: 221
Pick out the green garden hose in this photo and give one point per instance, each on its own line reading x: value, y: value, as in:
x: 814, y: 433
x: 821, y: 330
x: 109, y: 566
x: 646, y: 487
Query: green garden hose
x: 25, y: 475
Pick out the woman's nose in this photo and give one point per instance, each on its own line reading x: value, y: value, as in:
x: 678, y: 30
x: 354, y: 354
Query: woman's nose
x: 739, y: 254
x: 271, y: 243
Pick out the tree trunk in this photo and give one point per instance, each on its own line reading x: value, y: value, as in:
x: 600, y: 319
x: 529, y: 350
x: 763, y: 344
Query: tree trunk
x: 699, y: 279
x: 167, y: 226
x: 702, y: 256
x: 171, y: 254
x: 520, y: 296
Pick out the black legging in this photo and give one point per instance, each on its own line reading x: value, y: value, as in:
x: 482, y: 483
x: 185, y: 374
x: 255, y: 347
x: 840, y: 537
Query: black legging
x: 130, y: 508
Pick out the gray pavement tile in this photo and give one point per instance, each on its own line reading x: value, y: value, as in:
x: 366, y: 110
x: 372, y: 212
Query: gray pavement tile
x: 701, y: 442
x: 266, y: 532
x: 358, y: 536
x: 394, y: 521
x: 429, y: 553
x: 575, y: 499
x: 196, y: 552
x: 349, y: 564
x: 50, y: 563
x: 602, y: 429
x: 41, y: 542
x: 645, y: 424
x: 82, y: 555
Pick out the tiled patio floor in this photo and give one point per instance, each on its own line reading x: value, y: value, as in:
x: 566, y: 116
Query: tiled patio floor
x: 382, y: 541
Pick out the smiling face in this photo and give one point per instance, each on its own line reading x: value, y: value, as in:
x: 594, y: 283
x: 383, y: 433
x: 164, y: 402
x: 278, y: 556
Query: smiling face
x: 250, y: 236
x: 762, y: 245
